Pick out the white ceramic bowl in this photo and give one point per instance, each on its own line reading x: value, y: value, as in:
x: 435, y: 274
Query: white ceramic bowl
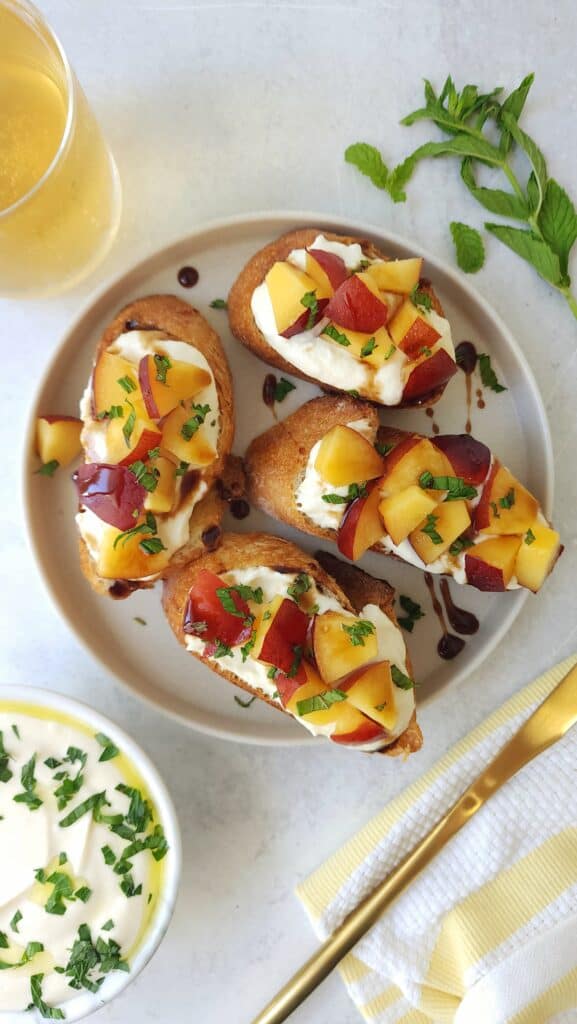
x: 85, y: 1003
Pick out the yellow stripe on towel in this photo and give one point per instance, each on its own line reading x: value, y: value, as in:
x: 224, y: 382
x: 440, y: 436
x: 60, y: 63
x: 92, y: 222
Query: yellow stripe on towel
x: 560, y: 997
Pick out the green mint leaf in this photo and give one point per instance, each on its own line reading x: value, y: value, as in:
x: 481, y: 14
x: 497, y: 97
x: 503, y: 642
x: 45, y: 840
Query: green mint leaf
x: 245, y: 703
x: 296, y: 662
x: 429, y: 529
x: 16, y: 919
x: 454, y: 485
x: 129, y: 425
x: 558, y: 222
x: 146, y: 478
x: 109, y: 750
x: 301, y: 585
x: 163, y: 365
x: 531, y: 150
x: 411, y: 607
x: 400, y: 679
x: 127, y: 384
x: 5, y: 772
x: 530, y: 248
x: 191, y: 426
x: 469, y: 247
x: 508, y: 500
x: 219, y: 304
x: 368, y: 161
x: 320, y: 702
x: 222, y: 650
x: 506, y: 204
x: 152, y: 546
x: 310, y: 302
x: 108, y: 854
x: 533, y: 193
x: 358, y: 631
x: 383, y: 449
x: 406, y: 623
x: 488, y: 375
x: 420, y: 298
x: 48, y: 1012
x: 461, y: 145
x: 368, y: 348
x: 459, y: 545
x: 529, y: 537
x: 48, y: 468
x: 108, y: 926
x: 513, y: 106
x: 28, y: 780
x: 283, y: 387
x: 332, y: 333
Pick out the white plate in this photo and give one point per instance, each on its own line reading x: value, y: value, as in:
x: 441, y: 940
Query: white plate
x: 146, y: 658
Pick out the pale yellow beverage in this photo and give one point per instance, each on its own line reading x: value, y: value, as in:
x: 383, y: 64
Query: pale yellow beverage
x: 59, y: 189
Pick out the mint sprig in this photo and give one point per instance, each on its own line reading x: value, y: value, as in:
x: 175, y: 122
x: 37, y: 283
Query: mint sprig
x: 538, y: 202
x: 468, y: 246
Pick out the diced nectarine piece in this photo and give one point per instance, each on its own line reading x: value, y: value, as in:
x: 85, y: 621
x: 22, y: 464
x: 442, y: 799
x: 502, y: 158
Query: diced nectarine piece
x: 333, y: 267
x: 125, y: 446
x: 403, y: 511
x: 286, y: 286
x: 399, y: 276
x: 206, y: 616
x: 361, y: 526
x: 183, y: 435
x: 371, y: 690
x: 164, y: 383
x: 339, y: 713
x: 469, y: 458
x: 107, y: 390
x: 411, y: 332
x: 324, y: 288
x: 342, y: 643
x: 58, y: 438
x: 358, y: 305
x: 428, y: 374
x: 440, y: 528
x: 491, y: 564
x: 280, y: 634
x: 409, y: 460
x: 128, y: 560
x: 375, y: 349
x: 506, y: 507
x: 161, y: 499
x: 346, y: 457
x: 537, y: 555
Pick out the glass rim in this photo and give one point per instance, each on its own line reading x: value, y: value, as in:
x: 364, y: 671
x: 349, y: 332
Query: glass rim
x: 26, y: 5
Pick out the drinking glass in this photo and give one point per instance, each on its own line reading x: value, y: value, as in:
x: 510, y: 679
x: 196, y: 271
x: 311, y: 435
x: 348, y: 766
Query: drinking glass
x: 59, y: 187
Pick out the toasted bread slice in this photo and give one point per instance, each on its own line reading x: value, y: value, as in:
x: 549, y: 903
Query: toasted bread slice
x: 349, y: 585
x: 225, y: 477
x: 275, y: 462
x: 240, y: 314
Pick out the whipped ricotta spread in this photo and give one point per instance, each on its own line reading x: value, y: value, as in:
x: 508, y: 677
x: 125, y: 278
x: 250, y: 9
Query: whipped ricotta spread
x: 58, y: 854
x: 322, y: 359
x: 172, y: 528
x: 391, y: 647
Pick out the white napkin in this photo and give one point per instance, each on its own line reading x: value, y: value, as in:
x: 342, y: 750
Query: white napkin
x: 487, y: 934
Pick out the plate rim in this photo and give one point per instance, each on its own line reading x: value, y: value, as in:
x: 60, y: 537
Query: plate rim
x: 292, y: 219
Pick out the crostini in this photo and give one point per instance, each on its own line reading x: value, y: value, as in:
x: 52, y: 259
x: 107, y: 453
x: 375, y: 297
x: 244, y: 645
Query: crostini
x: 335, y: 311
x: 444, y: 504
x: 314, y: 637
x: 157, y: 428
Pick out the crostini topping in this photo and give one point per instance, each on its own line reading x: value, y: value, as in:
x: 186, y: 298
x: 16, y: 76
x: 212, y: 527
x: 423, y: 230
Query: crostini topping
x: 151, y: 414
x: 293, y: 642
x: 367, y: 324
x: 442, y: 504
x: 81, y: 859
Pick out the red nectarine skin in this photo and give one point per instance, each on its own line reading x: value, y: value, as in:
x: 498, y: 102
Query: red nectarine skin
x: 483, y: 509
x: 204, y: 609
x: 111, y: 492
x: 148, y: 439
x: 429, y: 375
x: 483, y: 576
x: 469, y: 458
x: 333, y: 266
x: 287, y: 631
x: 420, y: 335
x: 301, y: 324
x: 350, y: 539
x: 286, y: 686
x: 354, y: 306
x: 144, y: 367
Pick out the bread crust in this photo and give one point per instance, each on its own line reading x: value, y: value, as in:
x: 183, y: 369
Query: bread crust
x: 276, y: 461
x: 241, y: 319
x: 181, y: 321
x: 349, y: 585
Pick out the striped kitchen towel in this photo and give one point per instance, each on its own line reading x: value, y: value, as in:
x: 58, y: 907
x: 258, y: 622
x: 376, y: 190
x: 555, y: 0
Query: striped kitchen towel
x: 487, y: 934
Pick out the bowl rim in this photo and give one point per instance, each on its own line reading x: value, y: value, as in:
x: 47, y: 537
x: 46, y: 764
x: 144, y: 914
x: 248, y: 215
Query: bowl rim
x: 86, y: 1003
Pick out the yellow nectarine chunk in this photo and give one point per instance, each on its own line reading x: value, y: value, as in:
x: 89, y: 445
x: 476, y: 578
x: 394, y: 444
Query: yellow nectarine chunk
x: 286, y: 286
x: 499, y: 553
x: 537, y: 555
x: 161, y: 499
x: 373, y: 693
x: 512, y: 508
x: 398, y: 276
x: 440, y: 528
x: 403, y: 511
x: 373, y: 349
x: 178, y: 382
x: 127, y: 561
x: 324, y: 288
x: 407, y: 466
x: 346, y: 457
x: 58, y: 438
x: 402, y: 321
x: 127, y: 445
x: 192, y: 447
x: 341, y: 644
x: 342, y: 714
x: 109, y: 370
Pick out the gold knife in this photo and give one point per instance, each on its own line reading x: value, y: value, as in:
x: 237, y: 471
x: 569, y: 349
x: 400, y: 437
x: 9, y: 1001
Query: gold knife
x: 548, y: 723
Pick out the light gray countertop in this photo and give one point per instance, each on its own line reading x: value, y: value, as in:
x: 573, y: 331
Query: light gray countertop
x: 218, y: 109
